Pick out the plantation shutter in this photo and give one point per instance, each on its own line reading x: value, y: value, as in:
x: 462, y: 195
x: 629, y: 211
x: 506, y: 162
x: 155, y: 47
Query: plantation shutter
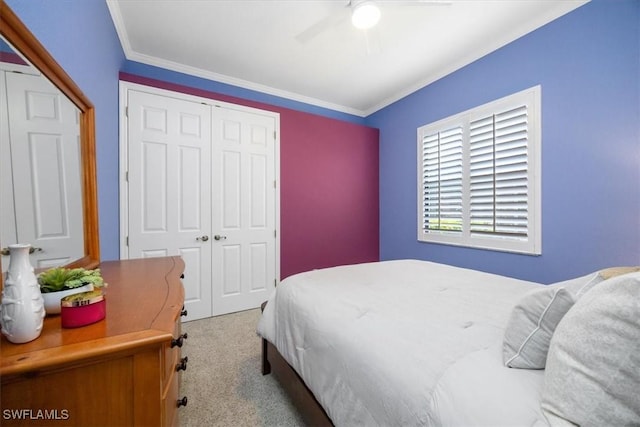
x: 442, y: 181
x: 498, y: 174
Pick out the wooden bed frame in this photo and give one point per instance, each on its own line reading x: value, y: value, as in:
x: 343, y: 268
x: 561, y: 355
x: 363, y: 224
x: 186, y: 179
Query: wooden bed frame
x: 303, y: 399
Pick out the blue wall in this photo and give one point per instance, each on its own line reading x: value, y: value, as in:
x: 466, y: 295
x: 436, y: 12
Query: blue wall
x: 588, y: 64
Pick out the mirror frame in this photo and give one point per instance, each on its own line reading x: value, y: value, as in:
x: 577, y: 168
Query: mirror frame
x: 16, y: 33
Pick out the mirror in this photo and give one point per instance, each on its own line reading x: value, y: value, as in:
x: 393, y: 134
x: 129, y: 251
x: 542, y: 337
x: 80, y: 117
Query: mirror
x: 53, y: 205
x: 40, y: 179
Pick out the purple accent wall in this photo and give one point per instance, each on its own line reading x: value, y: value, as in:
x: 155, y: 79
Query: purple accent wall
x: 328, y: 185
x: 329, y: 208
x: 11, y: 58
x: 588, y: 64
x: 8, y: 54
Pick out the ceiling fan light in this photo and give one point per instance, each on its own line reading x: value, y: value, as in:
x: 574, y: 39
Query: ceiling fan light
x: 365, y: 15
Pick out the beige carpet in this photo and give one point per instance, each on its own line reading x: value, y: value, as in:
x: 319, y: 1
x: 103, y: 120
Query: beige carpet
x: 223, y: 382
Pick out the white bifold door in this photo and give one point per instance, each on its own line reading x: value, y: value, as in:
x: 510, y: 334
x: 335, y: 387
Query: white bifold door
x: 200, y: 182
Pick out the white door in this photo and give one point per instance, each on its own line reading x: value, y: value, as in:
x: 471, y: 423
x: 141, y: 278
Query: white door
x: 169, y: 189
x: 230, y: 246
x: 244, y: 211
x: 43, y: 141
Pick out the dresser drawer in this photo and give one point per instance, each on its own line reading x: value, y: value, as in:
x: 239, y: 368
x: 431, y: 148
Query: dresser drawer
x: 171, y: 401
x: 173, y: 350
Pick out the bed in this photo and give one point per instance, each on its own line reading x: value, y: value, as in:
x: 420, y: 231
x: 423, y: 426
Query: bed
x: 410, y: 342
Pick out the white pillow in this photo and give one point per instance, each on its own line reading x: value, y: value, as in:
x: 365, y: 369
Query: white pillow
x: 531, y: 325
x: 534, y: 319
x: 593, y: 367
x: 579, y: 285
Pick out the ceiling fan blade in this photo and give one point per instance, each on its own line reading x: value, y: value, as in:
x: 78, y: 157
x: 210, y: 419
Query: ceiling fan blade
x: 330, y: 21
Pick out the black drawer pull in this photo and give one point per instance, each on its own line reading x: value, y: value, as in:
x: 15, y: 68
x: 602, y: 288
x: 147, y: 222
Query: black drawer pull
x: 182, y: 402
x: 183, y: 312
x: 179, y: 341
x: 182, y: 276
x: 182, y: 366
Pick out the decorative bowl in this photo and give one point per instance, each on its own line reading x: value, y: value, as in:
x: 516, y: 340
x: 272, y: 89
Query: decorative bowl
x: 52, y: 299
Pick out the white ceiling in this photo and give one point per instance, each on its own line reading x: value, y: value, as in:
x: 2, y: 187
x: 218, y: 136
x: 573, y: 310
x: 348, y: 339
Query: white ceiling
x: 262, y: 44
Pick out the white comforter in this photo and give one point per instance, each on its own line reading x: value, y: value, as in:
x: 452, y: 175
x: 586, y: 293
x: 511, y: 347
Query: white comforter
x: 403, y: 343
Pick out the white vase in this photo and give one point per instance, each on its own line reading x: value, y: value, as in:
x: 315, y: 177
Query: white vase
x: 22, y: 305
x: 52, y: 299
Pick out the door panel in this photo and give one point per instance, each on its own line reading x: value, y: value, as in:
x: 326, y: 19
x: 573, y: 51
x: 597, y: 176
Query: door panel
x: 230, y: 190
x: 169, y: 188
x: 230, y: 273
x: 243, y: 190
x: 152, y: 253
x: 153, y: 187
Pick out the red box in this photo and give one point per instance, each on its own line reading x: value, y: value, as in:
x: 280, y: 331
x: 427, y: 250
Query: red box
x: 82, y: 309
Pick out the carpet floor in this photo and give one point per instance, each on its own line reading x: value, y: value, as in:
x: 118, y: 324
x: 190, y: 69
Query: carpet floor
x: 223, y: 382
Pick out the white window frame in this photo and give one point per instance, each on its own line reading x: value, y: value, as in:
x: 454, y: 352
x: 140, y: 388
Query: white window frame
x: 531, y: 244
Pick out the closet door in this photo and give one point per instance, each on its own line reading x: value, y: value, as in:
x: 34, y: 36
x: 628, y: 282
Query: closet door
x: 202, y: 184
x: 244, y: 208
x: 169, y: 188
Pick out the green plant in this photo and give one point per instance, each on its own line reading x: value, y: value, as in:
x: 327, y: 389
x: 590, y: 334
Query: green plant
x: 60, y: 279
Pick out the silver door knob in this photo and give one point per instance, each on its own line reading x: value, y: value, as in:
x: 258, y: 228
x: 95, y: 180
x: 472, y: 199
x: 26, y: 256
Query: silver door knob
x: 203, y: 238
x: 219, y: 237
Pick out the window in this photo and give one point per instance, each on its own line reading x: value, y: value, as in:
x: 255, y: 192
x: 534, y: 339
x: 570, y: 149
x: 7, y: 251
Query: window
x: 479, y: 176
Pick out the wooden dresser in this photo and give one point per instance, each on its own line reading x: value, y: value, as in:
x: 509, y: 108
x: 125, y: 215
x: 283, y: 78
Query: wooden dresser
x: 121, y: 371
